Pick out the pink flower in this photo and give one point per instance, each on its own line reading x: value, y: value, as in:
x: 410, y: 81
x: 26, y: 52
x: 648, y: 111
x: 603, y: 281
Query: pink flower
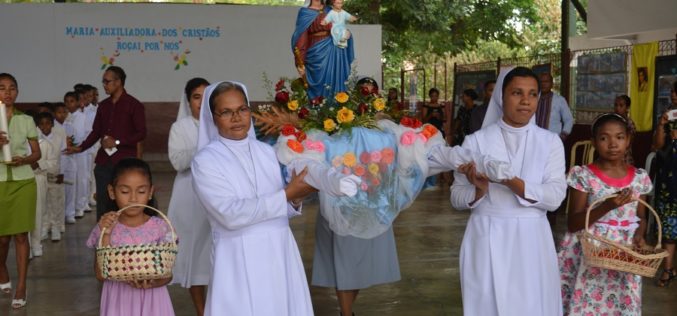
x: 375, y: 156
x: 594, y: 185
x: 408, y: 138
x: 627, y: 300
x: 364, y: 186
x: 314, y: 145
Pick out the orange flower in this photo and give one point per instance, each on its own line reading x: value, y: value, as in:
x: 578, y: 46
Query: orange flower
x: 342, y: 97
x: 295, y: 146
x: 432, y: 130
x: 349, y: 159
x: 387, y: 155
x: 345, y: 115
x: 359, y: 170
x: 379, y: 104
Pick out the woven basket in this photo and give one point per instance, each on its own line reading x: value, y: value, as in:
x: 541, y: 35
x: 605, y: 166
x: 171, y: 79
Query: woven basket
x: 137, y: 262
x: 604, y: 253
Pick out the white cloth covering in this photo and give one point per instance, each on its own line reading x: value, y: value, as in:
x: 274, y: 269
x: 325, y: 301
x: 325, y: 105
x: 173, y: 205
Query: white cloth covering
x: 257, y: 265
x: 508, y: 262
x: 193, y: 262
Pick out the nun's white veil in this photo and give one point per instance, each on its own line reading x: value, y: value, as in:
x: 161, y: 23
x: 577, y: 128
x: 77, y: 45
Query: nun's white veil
x: 184, y: 107
x: 495, y: 109
x: 208, y: 130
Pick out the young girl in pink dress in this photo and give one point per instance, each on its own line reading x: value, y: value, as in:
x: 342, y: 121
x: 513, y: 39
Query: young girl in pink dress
x: 132, y: 184
x: 589, y: 290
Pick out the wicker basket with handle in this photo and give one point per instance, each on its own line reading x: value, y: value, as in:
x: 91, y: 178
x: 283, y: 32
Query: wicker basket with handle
x: 137, y: 262
x: 604, y: 253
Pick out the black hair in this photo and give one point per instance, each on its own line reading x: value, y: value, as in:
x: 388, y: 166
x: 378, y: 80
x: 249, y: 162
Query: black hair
x: 5, y: 75
x: 605, y: 118
x: 58, y: 105
x: 222, y: 88
x: 46, y: 105
x: 625, y: 99
x: 486, y: 84
x: 471, y: 93
x: 193, y: 84
x: 78, y: 86
x: 136, y: 164
x: 433, y: 90
x: 674, y: 86
x: 43, y: 115
x: 89, y: 87
x: 366, y: 80
x: 520, y: 72
x: 71, y: 94
x: 119, y: 73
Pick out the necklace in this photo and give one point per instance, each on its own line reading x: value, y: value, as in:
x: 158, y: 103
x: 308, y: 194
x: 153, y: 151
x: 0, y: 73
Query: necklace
x: 253, y: 183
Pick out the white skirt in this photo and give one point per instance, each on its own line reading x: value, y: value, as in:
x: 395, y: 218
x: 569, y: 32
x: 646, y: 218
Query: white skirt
x: 509, y: 267
x: 193, y: 262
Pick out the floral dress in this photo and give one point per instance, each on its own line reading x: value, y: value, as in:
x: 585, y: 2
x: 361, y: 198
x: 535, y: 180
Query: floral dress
x: 595, y: 291
x: 666, y: 184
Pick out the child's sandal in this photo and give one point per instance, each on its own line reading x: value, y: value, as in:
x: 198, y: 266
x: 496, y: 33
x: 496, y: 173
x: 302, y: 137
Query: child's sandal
x: 665, y: 282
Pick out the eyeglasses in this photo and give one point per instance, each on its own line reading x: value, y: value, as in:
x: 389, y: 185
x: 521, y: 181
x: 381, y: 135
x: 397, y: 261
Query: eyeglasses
x: 229, y: 114
x: 106, y: 81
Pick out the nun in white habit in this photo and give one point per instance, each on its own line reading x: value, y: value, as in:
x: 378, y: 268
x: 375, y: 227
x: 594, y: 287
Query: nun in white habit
x: 508, y: 262
x: 257, y: 269
x: 193, y: 265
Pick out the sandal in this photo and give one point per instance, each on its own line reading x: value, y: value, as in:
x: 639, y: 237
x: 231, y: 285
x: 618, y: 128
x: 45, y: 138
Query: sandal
x: 18, y: 303
x: 665, y: 282
x: 6, y: 287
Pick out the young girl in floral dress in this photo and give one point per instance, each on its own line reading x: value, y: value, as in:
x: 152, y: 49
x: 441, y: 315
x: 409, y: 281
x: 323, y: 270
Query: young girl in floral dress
x: 589, y: 290
x: 132, y: 184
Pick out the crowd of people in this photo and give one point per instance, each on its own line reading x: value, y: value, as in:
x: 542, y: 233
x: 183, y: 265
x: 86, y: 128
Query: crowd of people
x: 231, y: 206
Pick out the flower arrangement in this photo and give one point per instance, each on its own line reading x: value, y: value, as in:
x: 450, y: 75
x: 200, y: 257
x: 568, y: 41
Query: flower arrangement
x: 357, y: 108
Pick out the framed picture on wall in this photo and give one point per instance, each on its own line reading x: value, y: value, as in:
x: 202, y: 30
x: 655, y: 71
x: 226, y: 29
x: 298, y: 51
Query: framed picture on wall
x: 665, y: 77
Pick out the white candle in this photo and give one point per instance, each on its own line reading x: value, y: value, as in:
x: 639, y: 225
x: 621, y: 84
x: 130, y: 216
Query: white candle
x: 6, y: 154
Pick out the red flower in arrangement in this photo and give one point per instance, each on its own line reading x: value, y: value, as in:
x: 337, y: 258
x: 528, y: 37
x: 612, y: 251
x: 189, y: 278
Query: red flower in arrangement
x: 388, y: 155
x: 303, y: 113
x: 279, y: 85
x: 410, y: 122
x: 295, y: 146
x: 428, y: 131
x: 362, y: 108
x: 288, y: 130
x: 282, y: 97
x: 365, y: 157
x: 317, y: 101
x: 300, y: 136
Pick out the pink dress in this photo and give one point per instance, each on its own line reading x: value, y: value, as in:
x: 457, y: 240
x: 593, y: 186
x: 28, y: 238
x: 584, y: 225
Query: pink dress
x: 594, y: 291
x: 119, y: 298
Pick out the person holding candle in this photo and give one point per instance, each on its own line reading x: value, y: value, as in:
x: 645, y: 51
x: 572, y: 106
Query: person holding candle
x: 17, y: 188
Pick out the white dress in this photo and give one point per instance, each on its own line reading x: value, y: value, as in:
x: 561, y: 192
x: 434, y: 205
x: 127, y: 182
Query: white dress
x: 338, y: 21
x: 257, y: 265
x: 508, y: 262
x: 193, y: 262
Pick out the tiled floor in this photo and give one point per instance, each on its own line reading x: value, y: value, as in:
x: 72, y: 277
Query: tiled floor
x: 428, y: 240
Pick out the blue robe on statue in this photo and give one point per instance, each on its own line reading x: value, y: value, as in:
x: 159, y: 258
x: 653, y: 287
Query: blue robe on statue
x: 327, y: 66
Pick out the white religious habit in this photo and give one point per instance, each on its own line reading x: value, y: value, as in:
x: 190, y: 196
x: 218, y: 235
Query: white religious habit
x: 508, y: 261
x: 193, y: 262
x: 257, y: 265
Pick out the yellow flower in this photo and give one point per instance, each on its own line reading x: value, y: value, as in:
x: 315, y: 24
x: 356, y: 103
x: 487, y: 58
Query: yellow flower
x: 341, y: 97
x: 349, y: 159
x: 345, y: 115
x: 379, y: 104
x: 329, y: 125
x: 373, y: 168
x: 293, y: 105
